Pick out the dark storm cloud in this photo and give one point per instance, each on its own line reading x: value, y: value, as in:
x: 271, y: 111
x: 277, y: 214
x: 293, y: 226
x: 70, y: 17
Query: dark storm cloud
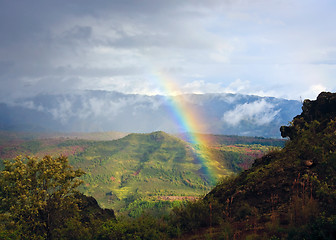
x: 117, y: 45
x: 46, y: 41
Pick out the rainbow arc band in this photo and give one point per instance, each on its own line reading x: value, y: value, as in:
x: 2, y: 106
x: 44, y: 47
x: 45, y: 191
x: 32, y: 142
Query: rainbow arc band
x: 191, y: 122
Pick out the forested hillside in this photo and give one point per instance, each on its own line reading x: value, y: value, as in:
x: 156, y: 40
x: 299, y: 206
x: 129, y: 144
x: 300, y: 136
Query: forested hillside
x: 134, y: 172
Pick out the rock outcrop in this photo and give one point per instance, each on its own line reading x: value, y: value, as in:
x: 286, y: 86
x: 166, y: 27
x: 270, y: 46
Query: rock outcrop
x: 90, y: 209
x: 322, y: 109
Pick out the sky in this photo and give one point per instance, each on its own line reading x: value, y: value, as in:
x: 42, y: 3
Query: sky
x: 279, y: 48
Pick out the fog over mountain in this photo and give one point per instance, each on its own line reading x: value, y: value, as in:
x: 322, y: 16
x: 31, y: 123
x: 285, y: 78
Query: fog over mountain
x: 90, y: 111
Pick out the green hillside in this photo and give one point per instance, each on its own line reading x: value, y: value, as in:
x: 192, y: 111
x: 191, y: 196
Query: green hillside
x: 139, y: 165
x: 138, y: 169
x: 155, y: 166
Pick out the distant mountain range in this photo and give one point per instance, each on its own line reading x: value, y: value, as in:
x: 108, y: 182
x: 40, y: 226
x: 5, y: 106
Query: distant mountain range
x: 92, y: 111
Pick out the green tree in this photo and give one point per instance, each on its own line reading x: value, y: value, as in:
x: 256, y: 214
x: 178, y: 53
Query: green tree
x: 38, y: 196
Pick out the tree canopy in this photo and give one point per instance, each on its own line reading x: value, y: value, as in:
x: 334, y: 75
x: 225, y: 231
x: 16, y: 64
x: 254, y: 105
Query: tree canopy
x: 37, y: 197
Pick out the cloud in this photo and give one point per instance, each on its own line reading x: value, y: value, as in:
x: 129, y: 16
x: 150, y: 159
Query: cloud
x: 258, y: 112
x: 91, y: 105
x: 272, y: 46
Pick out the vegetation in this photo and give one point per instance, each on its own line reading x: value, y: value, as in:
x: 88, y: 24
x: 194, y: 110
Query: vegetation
x: 37, y: 197
x: 214, y: 140
x: 286, y: 194
x: 149, y: 168
x: 39, y: 200
x: 289, y: 193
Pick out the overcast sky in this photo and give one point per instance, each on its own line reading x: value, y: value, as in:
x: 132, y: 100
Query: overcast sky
x: 280, y: 48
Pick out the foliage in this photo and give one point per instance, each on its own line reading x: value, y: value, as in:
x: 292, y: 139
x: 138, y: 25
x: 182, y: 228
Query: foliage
x: 156, y: 208
x: 38, y: 195
x: 144, y: 227
x: 142, y: 166
x: 318, y: 228
x: 197, y: 214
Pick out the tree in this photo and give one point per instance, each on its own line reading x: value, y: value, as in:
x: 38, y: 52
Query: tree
x: 38, y: 196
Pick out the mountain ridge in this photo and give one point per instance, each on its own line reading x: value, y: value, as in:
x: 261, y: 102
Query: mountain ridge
x: 92, y: 111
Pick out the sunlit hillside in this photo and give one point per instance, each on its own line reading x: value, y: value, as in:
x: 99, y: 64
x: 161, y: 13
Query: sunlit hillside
x: 142, y: 167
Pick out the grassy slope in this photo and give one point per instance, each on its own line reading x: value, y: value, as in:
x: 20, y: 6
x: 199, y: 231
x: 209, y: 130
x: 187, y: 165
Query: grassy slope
x: 138, y: 166
x: 145, y: 165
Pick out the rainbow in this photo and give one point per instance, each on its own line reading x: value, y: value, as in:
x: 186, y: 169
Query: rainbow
x: 190, y: 122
